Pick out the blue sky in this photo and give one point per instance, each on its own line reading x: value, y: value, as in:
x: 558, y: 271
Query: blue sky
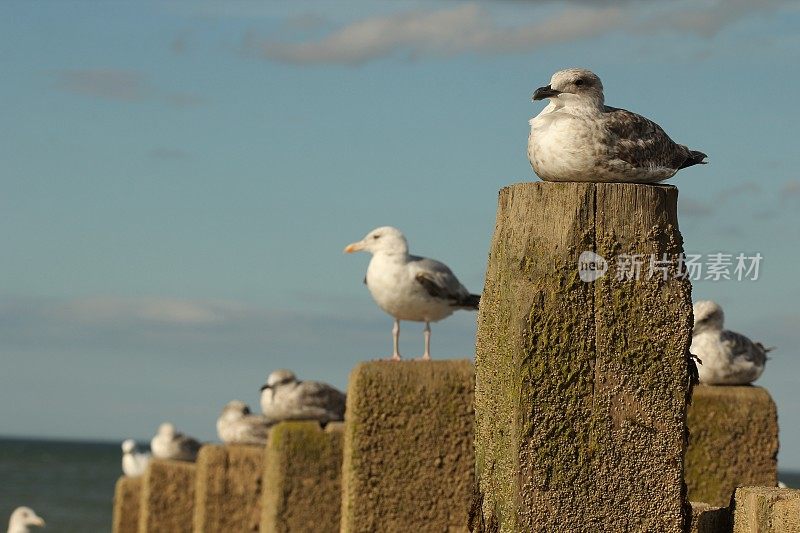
x: 179, y: 180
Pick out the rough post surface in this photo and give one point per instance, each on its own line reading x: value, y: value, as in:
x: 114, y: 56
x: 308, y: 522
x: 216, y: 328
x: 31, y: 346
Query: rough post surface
x: 228, y: 488
x: 582, y: 387
x: 127, y: 496
x: 408, y: 447
x: 302, y: 478
x: 167, y: 497
x: 709, y: 519
x: 733, y: 442
x: 766, y: 510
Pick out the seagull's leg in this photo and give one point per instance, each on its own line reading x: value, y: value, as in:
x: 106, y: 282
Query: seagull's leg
x: 427, y: 332
x: 396, y: 340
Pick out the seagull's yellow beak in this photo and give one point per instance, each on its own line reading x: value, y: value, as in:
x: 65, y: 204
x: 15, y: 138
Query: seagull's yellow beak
x: 38, y: 521
x: 354, y: 247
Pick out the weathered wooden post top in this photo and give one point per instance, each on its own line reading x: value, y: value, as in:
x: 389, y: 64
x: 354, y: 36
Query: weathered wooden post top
x: 582, y: 365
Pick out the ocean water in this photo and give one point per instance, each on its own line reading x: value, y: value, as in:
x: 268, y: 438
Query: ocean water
x: 71, y: 484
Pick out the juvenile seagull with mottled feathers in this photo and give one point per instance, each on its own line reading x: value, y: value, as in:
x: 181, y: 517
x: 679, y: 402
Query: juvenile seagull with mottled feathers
x: 284, y: 397
x: 169, y: 443
x: 579, y: 138
x: 409, y: 287
x: 237, y: 425
x: 726, y: 357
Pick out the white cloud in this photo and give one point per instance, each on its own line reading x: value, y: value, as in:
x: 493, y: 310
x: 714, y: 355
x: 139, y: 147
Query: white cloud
x: 157, y: 324
x: 791, y: 188
x: 467, y: 28
x: 471, y: 28
x: 148, y: 309
x: 105, y: 83
x: 694, y: 208
x: 708, y: 18
x: 118, y: 85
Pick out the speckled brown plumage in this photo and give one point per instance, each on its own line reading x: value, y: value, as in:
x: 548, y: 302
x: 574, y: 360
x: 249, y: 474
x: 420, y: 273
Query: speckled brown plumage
x: 578, y: 138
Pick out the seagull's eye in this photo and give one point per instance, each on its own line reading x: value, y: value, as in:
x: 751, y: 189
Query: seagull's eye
x: 376, y: 236
x: 579, y: 82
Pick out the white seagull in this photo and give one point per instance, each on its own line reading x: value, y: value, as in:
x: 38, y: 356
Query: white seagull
x: 726, y: 357
x: 133, y: 463
x: 283, y: 397
x: 169, y: 444
x: 237, y: 425
x: 579, y: 138
x: 21, y: 518
x: 409, y: 287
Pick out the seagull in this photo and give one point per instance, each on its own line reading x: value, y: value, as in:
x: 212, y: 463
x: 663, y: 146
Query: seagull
x: 169, y: 444
x: 727, y: 358
x: 283, y: 397
x: 579, y: 138
x: 236, y: 425
x: 409, y: 287
x: 21, y: 518
x: 133, y: 464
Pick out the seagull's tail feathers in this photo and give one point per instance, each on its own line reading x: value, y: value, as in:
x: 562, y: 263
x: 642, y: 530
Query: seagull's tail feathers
x: 470, y: 302
x: 765, y: 349
x: 695, y: 158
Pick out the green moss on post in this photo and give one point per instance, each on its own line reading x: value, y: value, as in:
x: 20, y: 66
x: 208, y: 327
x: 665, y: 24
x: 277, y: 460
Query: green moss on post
x: 228, y: 488
x: 408, y: 447
x: 733, y: 442
x: 127, y: 496
x: 302, y: 478
x: 167, y: 497
x: 582, y: 386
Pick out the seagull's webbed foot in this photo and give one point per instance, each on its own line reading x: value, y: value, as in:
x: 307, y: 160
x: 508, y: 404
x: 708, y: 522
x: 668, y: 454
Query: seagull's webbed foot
x: 395, y: 357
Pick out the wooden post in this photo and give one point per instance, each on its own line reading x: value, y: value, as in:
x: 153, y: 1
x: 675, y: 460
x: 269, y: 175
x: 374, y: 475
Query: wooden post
x: 582, y: 386
x: 733, y: 442
x: 408, y: 447
x: 709, y: 519
x: 127, y: 495
x: 766, y: 510
x: 167, y: 497
x: 302, y: 478
x: 228, y: 488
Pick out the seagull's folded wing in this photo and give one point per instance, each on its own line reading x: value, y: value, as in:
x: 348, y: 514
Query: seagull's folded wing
x: 439, y: 281
x: 741, y: 346
x: 315, y: 393
x: 641, y: 142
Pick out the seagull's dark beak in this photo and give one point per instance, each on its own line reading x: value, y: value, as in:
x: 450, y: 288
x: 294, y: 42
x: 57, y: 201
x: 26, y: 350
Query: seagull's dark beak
x: 545, y: 92
x: 265, y: 387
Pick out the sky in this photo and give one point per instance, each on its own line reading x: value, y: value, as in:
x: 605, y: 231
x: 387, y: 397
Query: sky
x: 179, y: 180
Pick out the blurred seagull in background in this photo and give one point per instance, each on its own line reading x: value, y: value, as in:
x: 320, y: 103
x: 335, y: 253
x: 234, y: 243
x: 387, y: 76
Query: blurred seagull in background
x: 726, y: 357
x: 21, y: 518
x: 409, y: 287
x: 169, y: 444
x: 579, y: 138
x: 133, y: 463
x: 237, y: 425
x: 283, y: 397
